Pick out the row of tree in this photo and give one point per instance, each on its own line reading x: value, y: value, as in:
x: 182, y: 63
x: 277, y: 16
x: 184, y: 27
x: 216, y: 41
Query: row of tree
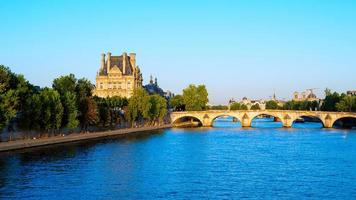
x: 69, y: 105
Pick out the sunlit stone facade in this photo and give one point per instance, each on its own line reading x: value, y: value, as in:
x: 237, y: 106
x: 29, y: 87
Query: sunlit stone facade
x: 117, y: 76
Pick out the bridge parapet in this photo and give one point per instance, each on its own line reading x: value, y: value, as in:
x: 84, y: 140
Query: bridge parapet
x: 287, y: 117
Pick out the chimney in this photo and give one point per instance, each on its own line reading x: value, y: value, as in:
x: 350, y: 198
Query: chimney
x: 124, y: 55
x: 102, y: 66
x: 133, y: 60
x: 108, y: 62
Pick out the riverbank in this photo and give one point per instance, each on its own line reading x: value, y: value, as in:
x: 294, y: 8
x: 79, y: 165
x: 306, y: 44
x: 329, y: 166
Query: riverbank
x: 23, y: 144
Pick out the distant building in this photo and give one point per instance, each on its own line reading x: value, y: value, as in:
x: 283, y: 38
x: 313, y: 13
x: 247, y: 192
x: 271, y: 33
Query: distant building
x: 117, y: 76
x: 307, y: 95
x: 351, y: 92
x: 249, y: 103
x: 153, y: 88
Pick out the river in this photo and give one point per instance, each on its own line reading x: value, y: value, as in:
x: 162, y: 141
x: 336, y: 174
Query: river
x: 223, y: 162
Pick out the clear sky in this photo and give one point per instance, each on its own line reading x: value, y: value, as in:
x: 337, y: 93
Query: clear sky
x: 236, y: 48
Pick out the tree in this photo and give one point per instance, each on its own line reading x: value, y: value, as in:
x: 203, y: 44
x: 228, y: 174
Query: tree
x: 70, y: 111
x: 52, y: 110
x: 84, y: 88
x: 330, y: 101
x: 65, y: 84
x: 177, y: 103
x: 110, y: 110
x: 138, y: 106
x: 8, y: 105
x: 272, y: 105
x: 219, y: 107
x: 255, y: 107
x: 88, y: 112
x: 347, y: 104
x: 195, y: 98
x: 66, y: 87
x: 31, y: 115
x: 238, y: 106
x: 14, y: 90
x: 158, y: 108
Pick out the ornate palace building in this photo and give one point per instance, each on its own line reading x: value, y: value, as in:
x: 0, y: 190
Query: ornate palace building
x: 117, y: 76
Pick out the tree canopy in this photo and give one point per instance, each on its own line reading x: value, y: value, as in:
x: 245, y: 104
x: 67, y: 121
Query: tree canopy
x: 195, y: 97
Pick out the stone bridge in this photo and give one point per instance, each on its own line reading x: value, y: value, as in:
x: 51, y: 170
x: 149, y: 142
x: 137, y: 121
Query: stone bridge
x: 287, y: 117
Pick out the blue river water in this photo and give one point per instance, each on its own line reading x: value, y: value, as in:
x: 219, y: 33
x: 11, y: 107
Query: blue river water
x: 223, y: 162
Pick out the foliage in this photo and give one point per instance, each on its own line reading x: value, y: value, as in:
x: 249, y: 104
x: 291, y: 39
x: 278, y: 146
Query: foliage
x: 65, y: 84
x: 218, y: 107
x: 87, y: 112
x: 158, y: 108
x: 237, y: 106
x: 177, y: 103
x: 347, y: 104
x: 51, y: 111
x: 138, y: 106
x: 110, y: 110
x: 33, y: 111
x: 255, y: 107
x: 301, y: 105
x: 14, y: 90
x: 195, y: 98
x: 330, y: 101
x: 70, y: 111
x: 272, y: 105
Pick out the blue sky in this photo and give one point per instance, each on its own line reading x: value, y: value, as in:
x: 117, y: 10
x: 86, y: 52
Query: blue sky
x: 236, y: 48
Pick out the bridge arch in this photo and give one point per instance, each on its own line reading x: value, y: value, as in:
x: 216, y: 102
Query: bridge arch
x: 345, y: 121
x: 316, y: 118
x: 188, y: 120
x: 224, y: 115
x: 277, y: 118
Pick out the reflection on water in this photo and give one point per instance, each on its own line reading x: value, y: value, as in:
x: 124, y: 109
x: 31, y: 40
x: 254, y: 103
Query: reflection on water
x: 224, y: 162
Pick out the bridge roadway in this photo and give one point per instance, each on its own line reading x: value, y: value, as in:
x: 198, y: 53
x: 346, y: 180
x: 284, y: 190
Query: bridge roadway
x: 287, y: 117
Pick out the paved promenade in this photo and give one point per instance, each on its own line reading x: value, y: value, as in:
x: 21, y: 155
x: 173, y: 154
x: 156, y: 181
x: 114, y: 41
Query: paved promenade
x: 22, y: 144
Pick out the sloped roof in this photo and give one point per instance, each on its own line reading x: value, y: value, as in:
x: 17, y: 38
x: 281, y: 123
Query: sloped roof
x: 118, y: 61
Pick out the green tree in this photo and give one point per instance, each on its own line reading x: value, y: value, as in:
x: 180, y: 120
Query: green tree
x: 70, y: 110
x: 330, y: 101
x: 347, y: 104
x: 218, y: 107
x: 65, y: 84
x: 177, y: 103
x: 235, y: 106
x: 52, y: 110
x: 238, y: 106
x: 272, y: 105
x: 31, y: 116
x: 110, y: 110
x: 195, y: 98
x: 8, y: 105
x: 139, y: 106
x: 255, y: 107
x: 83, y: 88
x: 158, y: 108
x: 14, y: 90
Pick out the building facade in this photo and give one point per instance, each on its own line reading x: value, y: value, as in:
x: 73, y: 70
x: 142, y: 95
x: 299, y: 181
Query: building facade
x: 351, y: 92
x: 307, y: 95
x: 117, y: 76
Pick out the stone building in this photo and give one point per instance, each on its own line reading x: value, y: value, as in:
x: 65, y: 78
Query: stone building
x: 351, y: 92
x: 153, y: 88
x: 117, y: 76
x: 307, y: 95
